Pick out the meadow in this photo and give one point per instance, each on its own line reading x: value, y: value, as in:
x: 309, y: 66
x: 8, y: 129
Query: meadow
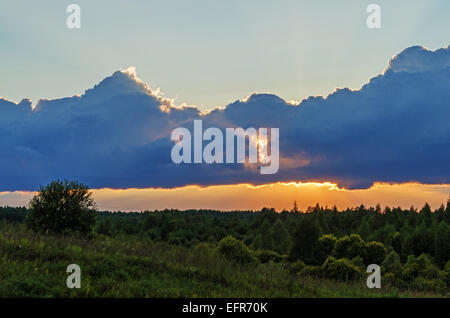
x: 204, y: 254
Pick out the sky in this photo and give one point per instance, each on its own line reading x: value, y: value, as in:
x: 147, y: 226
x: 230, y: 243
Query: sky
x: 209, y: 53
x: 375, y: 132
x: 280, y: 196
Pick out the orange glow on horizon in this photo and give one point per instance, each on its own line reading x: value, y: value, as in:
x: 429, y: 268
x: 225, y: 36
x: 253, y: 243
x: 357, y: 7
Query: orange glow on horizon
x: 280, y: 195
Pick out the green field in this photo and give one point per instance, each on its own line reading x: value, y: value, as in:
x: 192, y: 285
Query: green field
x: 34, y: 266
x: 184, y: 254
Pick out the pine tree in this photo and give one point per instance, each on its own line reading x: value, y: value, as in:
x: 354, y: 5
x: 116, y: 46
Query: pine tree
x: 266, y: 236
x: 295, y: 208
x: 306, y: 238
x: 281, y: 238
x: 447, y: 211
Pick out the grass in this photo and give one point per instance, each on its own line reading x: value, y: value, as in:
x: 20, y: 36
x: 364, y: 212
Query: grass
x: 35, y: 266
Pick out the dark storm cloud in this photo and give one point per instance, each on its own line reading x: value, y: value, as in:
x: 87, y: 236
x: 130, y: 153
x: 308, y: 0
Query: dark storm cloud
x: 396, y: 128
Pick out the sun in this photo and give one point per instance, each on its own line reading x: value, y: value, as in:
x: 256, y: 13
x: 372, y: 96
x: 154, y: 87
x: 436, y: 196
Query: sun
x: 261, y: 143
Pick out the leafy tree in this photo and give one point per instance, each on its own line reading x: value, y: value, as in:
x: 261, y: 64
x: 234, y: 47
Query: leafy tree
x: 423, y: 240
x: 442, y: 244
x: 421, y: 266
x: 382, y: 234
x: 392, y: 264
x: 407, y: 245
x: 447, y: 274
x: 349, y: 246
x: 266, y: 241
x: 325, y: 247
x: 395, y: 241
x: 280, y: 238
x: 62, y: 207
x: 105, y: 227
x: 375, y: 253
x: 306, y: 237
x: 364, y: 229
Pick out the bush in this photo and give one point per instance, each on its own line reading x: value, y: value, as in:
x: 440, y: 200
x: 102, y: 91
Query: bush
x: 390, y: 279
x: 265, y: 256
x: 424, y: 284
x: 375, y: 253
x: 312, y: 271
x: 325, y: 247
x: 235, y: 250
x: 296, y: 267
x: 447, y: 274
x: 358, y: 262
x: 341, y: 269
x: 62, y: 207
x: 349, y: 247
x: 419, y: 267
x: 392, y: 264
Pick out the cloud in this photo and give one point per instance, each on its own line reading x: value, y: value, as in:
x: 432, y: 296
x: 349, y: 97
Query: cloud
x: 417, y: 59
x: 117, y: 134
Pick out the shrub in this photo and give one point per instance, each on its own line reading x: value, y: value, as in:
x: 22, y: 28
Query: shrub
x: 62, y: 207
x: 105, y: 227
x: 375, y: 252
x: 296, y: 267
x: 341, y: 269
x: 235, y: 250
x: 349, y: 247
x: 204, y: 254
x: 447, y: 274
x: 390, y: 279
x: 392, y: 264
x: 424, y: 284
x: 358, y: 262
x: 312, y: 271
x: 419, y: 267
x: 265, y: 256
x: 325, y: 247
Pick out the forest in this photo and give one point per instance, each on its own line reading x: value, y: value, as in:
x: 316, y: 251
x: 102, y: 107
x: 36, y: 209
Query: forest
x: 320, y: 252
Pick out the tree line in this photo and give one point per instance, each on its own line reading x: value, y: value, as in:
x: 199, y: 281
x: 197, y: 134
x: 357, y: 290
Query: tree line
x: 412, y: 246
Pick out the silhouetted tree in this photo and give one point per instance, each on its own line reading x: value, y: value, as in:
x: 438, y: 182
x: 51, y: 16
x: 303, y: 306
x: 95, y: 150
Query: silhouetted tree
x: 61, y: 207
x: 295, y: 208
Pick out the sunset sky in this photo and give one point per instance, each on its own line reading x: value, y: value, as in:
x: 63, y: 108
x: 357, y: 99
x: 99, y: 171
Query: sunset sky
x: 363, y: 114
x: 247, y: 197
